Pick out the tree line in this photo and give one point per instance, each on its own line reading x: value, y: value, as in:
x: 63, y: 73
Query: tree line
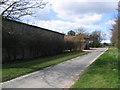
x: 80, y: 34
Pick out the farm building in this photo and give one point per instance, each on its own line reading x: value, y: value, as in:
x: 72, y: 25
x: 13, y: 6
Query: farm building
x: 80, y: 44
x: 23, y: 41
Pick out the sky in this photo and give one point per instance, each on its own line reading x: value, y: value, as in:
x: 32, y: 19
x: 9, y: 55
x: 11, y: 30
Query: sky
x: 65, y: 15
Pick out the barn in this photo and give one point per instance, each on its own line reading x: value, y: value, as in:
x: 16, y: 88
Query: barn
x: 23, y: 41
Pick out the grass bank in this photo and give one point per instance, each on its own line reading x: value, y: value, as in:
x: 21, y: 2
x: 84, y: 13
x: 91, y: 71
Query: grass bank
x: 16, y: 69
x: 103, y: 73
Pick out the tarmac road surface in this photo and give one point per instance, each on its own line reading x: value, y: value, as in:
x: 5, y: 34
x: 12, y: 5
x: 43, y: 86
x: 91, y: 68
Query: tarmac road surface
x: 62, y: 75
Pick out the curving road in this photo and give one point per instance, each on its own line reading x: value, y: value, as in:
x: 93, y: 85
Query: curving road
x: 62, y: 75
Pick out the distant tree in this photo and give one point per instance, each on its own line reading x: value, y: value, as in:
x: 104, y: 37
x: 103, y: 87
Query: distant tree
x: 71, y: 33
x: 14, y: 9
x: 80, y: 37
x: 80, y: 30
x: 105, y: 44
x: 81, y: 33
x: 95, y: 38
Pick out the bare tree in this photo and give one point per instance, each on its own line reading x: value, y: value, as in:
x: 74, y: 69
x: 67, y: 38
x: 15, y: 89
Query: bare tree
x: 80, y: 30
x: 95, y: 38
x: 115, y: 39
x: 14, y: 9
x: 81, y: 33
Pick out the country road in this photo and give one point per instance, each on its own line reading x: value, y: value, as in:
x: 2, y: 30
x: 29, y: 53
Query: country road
x: 62, y: 75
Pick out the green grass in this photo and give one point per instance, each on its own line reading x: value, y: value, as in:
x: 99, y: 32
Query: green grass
x: 103, y: 73
x: 13, y: 70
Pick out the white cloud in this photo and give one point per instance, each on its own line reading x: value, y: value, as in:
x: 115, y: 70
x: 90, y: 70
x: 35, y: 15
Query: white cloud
x: 83, y: 0
x: 82, y: 11
x: 63, y: 26
x: 83, y: 7
x: 88, y: 19
x: 106, y: 41
x: 74, y: 14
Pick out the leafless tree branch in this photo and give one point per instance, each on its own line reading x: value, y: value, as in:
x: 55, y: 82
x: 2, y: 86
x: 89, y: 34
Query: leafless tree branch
x: 20, y: 8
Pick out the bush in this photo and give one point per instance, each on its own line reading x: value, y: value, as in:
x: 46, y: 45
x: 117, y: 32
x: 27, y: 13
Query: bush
x: 69, y: 45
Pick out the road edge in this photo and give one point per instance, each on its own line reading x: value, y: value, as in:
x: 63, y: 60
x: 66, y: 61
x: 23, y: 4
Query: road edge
x: 86, y: 68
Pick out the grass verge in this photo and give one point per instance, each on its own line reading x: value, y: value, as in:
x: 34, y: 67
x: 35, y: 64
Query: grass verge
x: 103, y: 73
x: 16, y: 69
